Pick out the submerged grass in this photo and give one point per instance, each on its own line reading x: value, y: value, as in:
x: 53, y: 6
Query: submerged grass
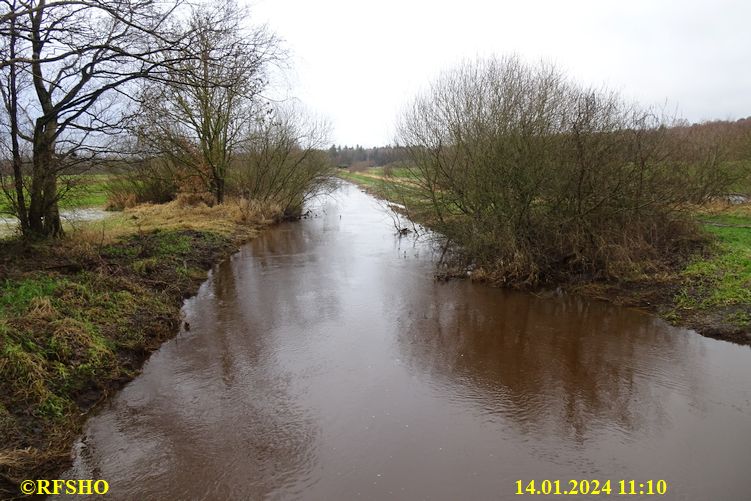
x: 79, y: 316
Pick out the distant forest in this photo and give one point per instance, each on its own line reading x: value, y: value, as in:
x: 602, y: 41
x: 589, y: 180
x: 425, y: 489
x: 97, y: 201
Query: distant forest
x: 358, y: 157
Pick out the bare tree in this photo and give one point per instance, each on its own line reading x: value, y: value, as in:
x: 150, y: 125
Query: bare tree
x: 79, y: 56
x: 198, y: 116
x: 10, y: 95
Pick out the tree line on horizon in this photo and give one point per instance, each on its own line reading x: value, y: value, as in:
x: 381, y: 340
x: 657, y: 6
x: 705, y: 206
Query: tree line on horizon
x: 379, y: 156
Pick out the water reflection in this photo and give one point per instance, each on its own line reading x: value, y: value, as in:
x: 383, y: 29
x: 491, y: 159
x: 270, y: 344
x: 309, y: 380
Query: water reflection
x: 565, y: 367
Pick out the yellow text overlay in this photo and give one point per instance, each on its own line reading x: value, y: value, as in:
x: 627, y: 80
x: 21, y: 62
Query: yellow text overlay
x: 69, y: 487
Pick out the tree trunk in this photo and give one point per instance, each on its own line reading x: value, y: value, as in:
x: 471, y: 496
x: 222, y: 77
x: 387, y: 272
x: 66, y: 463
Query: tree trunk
x: 44, y: 215
x: 36, y: 195
x: 52, y: 224
x: 219, y: 190
x: 20, y: 205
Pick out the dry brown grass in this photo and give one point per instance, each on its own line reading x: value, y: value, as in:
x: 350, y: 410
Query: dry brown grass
x: 19, y: 459
x: 188, y: 214
x: 41, y: 308
x: 18, y: 463
x: 722, y: 207
x: 118, y: 200
x: 237, y: 217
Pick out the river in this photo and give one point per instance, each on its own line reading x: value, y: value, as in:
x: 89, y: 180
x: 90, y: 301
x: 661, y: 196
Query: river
x: 323, y: 361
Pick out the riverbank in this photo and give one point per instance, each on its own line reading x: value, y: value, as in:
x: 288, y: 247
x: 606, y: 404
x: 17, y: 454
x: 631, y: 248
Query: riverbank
x: 78, y: 317
x: 706, y: 288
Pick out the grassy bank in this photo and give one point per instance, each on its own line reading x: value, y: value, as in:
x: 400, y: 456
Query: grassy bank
x: 79, y: 316
x: 707, y: 287
x: 715, y: 292
x: 373, y: 179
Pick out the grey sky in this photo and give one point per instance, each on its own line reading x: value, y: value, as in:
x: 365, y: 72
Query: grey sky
x: 357, y: 63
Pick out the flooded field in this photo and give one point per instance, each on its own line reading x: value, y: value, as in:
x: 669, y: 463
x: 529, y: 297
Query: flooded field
x: 9, y: 225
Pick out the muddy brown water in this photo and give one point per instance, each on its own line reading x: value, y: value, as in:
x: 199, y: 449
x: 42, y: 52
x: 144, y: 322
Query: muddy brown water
x: 324, y: 362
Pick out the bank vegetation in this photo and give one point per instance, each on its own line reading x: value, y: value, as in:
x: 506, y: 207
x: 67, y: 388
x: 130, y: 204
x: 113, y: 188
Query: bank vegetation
x: 160, y: 108
x: 539, y: 179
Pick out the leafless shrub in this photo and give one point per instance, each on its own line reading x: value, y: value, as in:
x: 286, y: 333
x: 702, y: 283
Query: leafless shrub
x: 282, y: 162
x: 146, y: 181
x: 541, y: 180
x: 717, y: 154
x: 197, y: 117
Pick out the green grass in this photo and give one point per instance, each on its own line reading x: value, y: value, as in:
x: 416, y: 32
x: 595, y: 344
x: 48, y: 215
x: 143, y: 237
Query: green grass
x: 724, y: 277
x: 362, y: 179
x: 396, y: 187
x: 389, y: 172
x: 730, y: 219
x: 173, y: 244
x: 720, y: 281
x: 52, y: 342
x: 392, y: 172
x: 86, y: 190
x: 15, y: 296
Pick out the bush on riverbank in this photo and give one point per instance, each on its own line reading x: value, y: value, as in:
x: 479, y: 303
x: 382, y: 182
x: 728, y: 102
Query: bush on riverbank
x: 282, y: 163
x: 146, y: 181
x: 538, y: 180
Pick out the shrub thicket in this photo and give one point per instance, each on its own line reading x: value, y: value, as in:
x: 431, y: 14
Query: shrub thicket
x: 279, y: 163
x: 539, y: 179
x: 146, y: 181
x: 282, y: 162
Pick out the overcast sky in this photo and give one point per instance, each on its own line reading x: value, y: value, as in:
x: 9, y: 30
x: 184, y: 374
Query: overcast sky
x: 358, y: 62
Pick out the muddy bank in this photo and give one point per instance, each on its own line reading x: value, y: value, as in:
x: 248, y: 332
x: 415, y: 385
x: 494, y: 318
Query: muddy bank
x: 659, y: 298
x: 78, y: 320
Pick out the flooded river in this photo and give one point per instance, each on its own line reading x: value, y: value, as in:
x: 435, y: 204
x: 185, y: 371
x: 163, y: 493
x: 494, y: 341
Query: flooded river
x: 323, y: 362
